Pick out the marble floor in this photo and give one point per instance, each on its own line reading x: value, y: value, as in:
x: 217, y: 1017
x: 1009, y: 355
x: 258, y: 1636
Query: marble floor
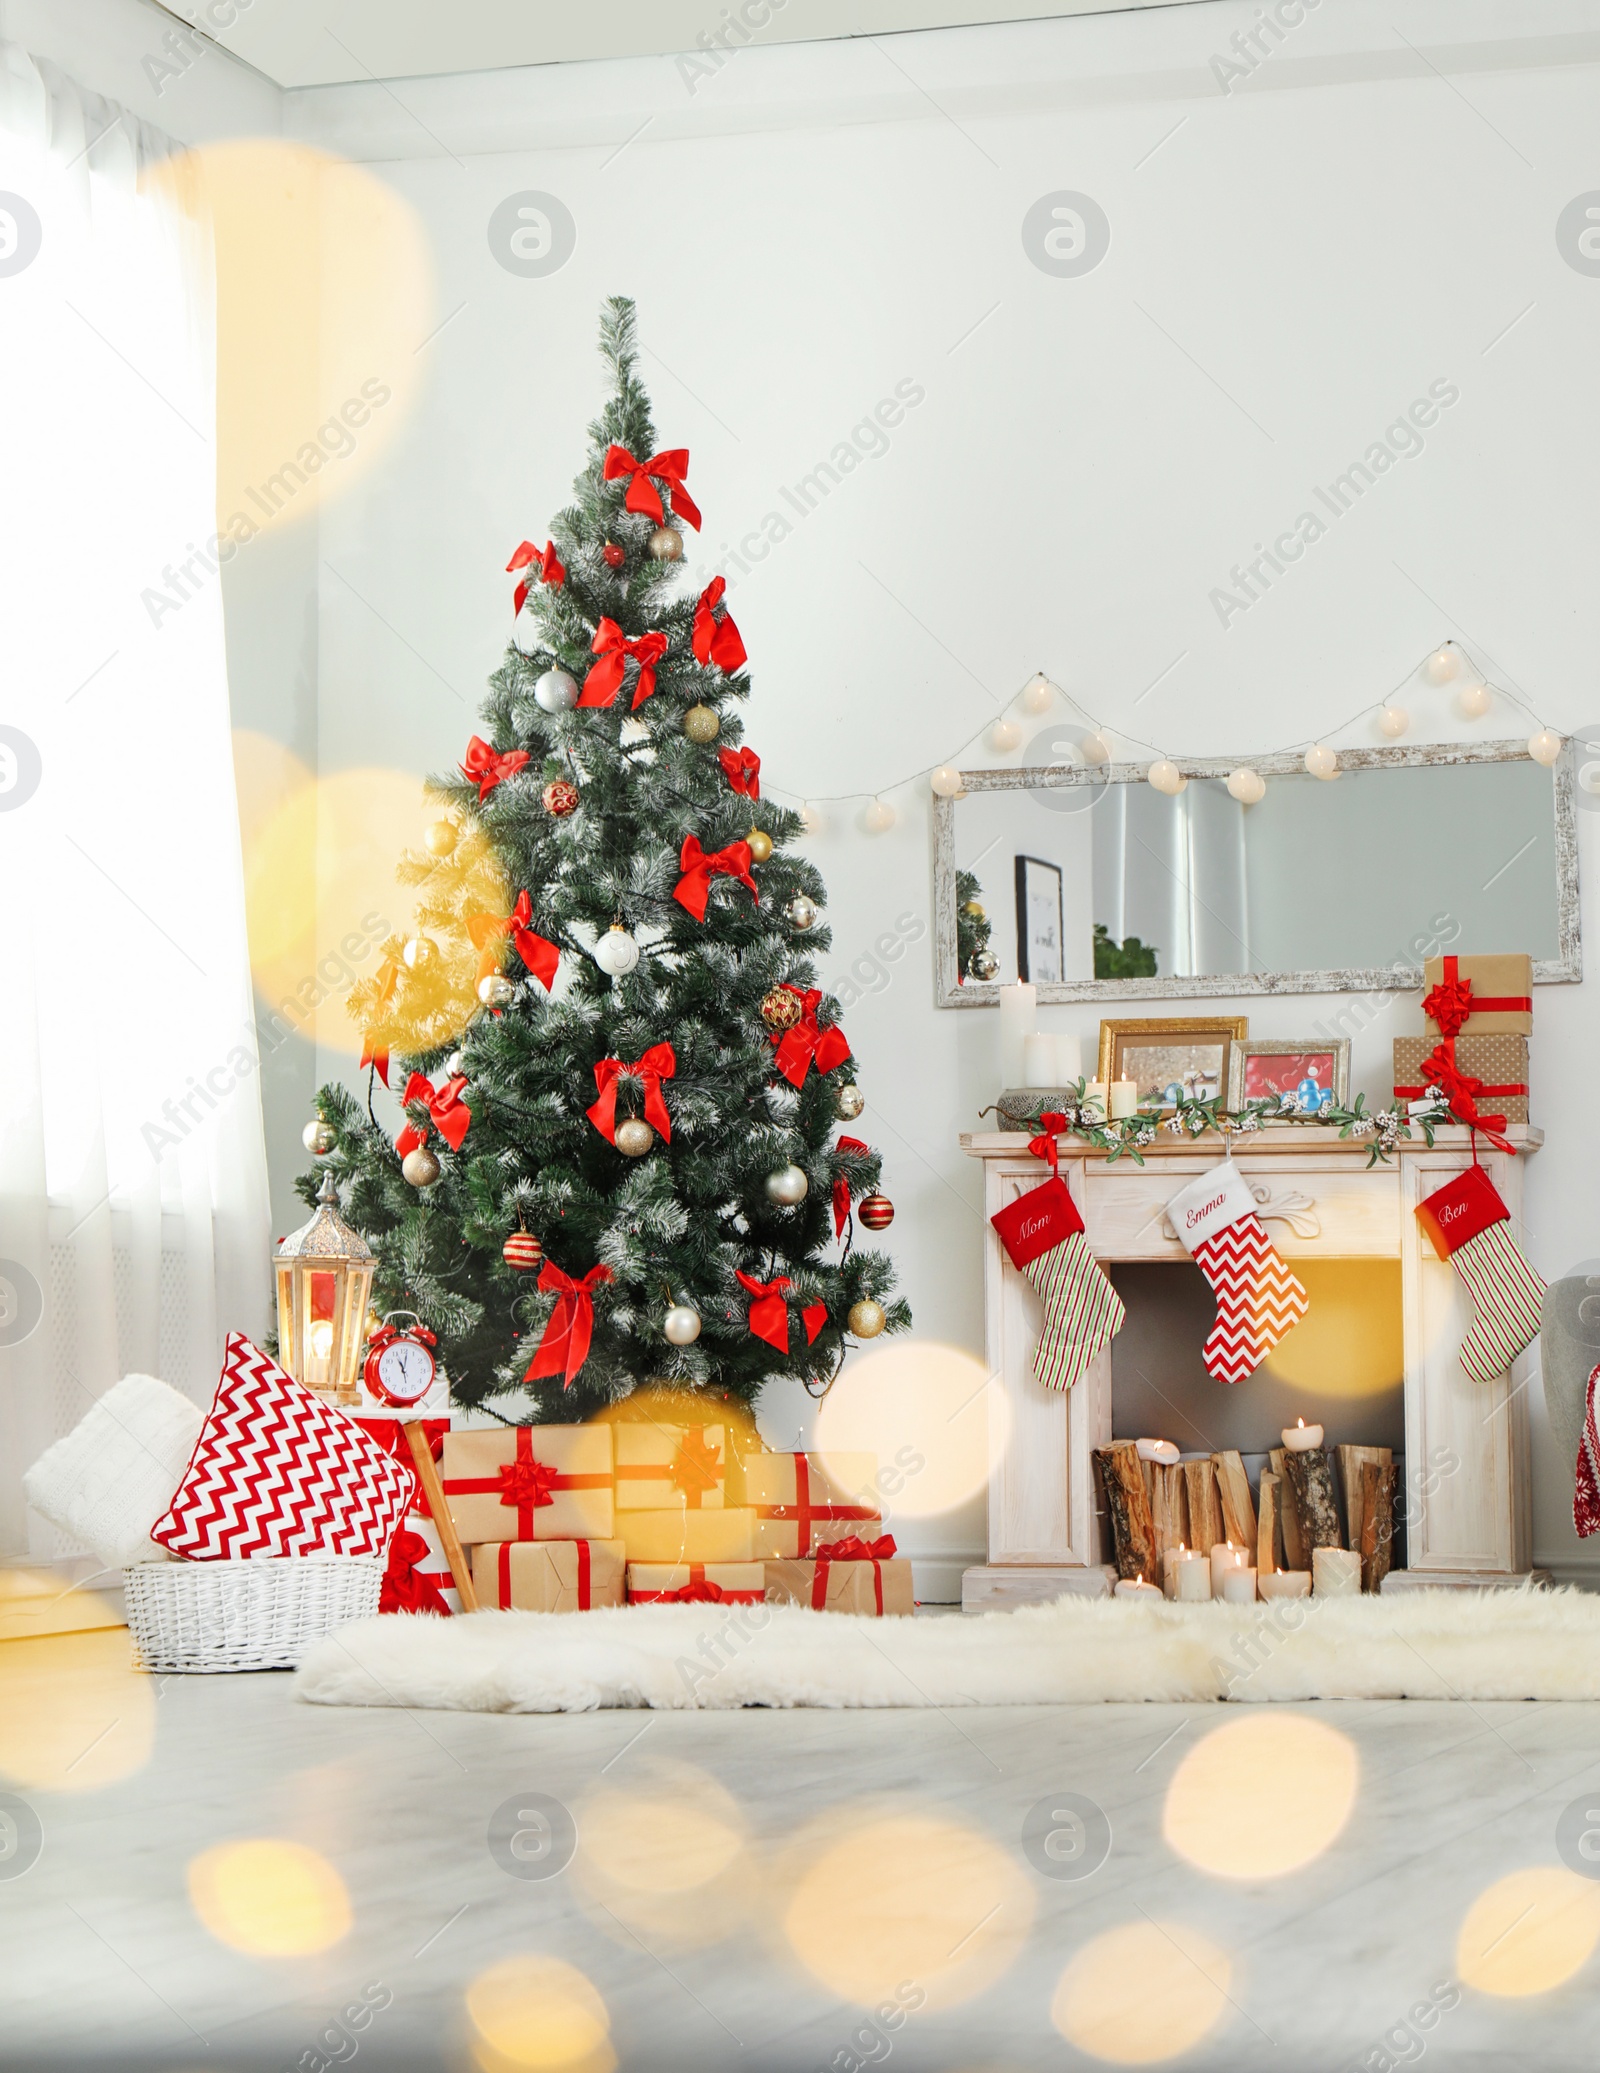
x: 1228, y: 1887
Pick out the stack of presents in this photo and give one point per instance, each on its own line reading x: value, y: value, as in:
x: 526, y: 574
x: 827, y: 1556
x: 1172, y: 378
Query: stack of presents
x: 1480, y: 1017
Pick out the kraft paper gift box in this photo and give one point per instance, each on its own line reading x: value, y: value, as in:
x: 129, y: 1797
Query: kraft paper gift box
x: 800, y: 1499
x: 1501, y: 1062
x: 681, y: 1535
x: 1501, y: 1001
x: 548, y: 1575
x: 659, y: 1467
x: 737, y: 1583
x: 878, y: 1588
x: 530, y: 1482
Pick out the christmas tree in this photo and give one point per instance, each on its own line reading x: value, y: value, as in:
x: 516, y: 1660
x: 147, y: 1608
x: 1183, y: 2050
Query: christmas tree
x: 618, y: 1163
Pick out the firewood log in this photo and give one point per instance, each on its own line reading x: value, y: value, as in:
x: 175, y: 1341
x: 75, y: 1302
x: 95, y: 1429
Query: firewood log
x: 1377, y: 1522
x: 1133, y: 1533
x: 1295, y: 1553
x: 1205, y: 1510
x: 1233, y: 1486
x: 1310, y: 1473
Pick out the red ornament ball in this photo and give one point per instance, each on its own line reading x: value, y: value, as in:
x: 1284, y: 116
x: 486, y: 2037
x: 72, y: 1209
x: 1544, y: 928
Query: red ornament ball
x: 876, y: 1212
x: 522, y: 1250
x: 615, y: 556
x: 560, y: 798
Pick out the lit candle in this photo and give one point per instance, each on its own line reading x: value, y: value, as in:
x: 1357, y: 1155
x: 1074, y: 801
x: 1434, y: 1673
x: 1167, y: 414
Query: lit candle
x: 1135, y: 1587
x: 1124, y: 1097
x: 1164, y: 1451
x: 1019, y: 1017
x: 1094, y: 1096
x: 1039, y: 1060
x: 1300, y: 1438
x: 1285, y: 1583
x: 1239, y: 1586
x: 1191, y: 1577
x: 1335, y: 1573
x: 1224, y: 1556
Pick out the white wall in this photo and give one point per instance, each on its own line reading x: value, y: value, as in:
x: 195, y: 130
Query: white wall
x: 1291, y: 264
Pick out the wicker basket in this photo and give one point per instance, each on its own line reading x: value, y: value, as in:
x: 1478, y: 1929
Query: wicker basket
x: 245, y: 1615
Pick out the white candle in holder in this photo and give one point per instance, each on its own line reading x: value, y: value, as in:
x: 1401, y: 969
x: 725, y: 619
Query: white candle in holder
x: 1285, y: 1583
x: 1335, y: 1573
x: 1164, y: 1451
x: 1299, y: 1438
x: 1225, y: 1556
x: 1124, y: 1097
x: 1239, y: 1586
x: 1135, y: 1587
x: 1019, y: 1017
x: 1039, y: 1060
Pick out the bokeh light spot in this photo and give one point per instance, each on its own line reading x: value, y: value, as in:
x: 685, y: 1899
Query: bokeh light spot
x: 270, y: 1898
x: 1142, y: 1993
x: 74, y: 1713
x: 667, y: 1858
x: 540, y: 2012
x: 1307, y: 1773
x: 1529, y: 1931
x: 930, y: 1414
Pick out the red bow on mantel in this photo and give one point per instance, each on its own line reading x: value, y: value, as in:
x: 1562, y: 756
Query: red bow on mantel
x: 658, y: 1063
x: 445, y: 1108
x: 693, y: 889
x: 769, y: 1313
x: 669, y: 467
x: 540, y: 957
x: 852, y: 1549
x: 805, y: 1044
x: 1461, y: 1091
x: 1051, y: 1123
x: 405, y: 1588
x: 565, y: 1345
x: 841, y: 1186
x: 486, y: 768
x: 716, y: 640
x: 611, y: 644
x: 742, y: 769
x: 549, y: 565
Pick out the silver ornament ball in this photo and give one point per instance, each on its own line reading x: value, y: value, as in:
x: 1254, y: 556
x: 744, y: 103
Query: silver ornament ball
x: 681, y: 1325
x: 788, y: 1186
x: 616, y: 952
x: 985, y: 965
x: 495, y: 990
x: 318, y: 1136
x: 420, y: 1167
x: 556, y: 692
x: 802, y: 913
x: 848, y: 1102
x: 455, y: 1063
x: 666, y: 544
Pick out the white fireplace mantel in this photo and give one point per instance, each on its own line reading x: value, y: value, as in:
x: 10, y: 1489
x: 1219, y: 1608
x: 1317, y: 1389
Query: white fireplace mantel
x: 1319, y: 1198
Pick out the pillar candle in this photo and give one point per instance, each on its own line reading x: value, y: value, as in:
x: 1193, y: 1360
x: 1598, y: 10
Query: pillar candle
x: 1124, y: 1097
x: 1094, y: 1096
x: 1019, y: 1017
x: 1335, y: 1573
x: 1225, y: 1556
x: 1039, y: 1060
x: 1300, y: 1438
x: 1069, y: 1059
x: 1239, y: 1586
x: 1131, y: 1587
x: 1285, y: 1583
x: 1191, y: 1578
x: 1164, y: 1451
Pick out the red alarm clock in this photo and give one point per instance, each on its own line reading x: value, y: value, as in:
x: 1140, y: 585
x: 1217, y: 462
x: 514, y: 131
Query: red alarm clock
x: 400, y: 1366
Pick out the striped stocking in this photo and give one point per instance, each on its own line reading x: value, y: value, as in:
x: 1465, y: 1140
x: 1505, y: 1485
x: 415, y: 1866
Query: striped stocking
x: 1586, y: 1491
x: 1259, y: 1301
x: 1471, y: 1227
x: 1082, y: 1311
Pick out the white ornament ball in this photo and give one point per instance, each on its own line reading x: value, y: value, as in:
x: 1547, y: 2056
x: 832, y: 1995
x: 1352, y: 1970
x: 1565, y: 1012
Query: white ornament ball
x: 1166, y: 777
x: 813, y: 819
x: 1544, y: 747
x: 1393, y: 722
x: 419, y: 953
x: 1246, y: 785
x: 681, y: 1325
x: 1474, y: 700
x: 946, y: 781
x: 420, y: 1167
x: 556, y: 692
x: 1004, y: 736
x: 879, y: 817
x: 1443, y: 664
x: 1321, y: 760
x: 1095, y: 750
x: 788, y: 1186
x: 1038, y: 694
x: 616, y: 952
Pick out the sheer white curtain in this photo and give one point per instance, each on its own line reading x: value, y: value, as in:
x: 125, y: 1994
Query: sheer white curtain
x: 134, y: 1222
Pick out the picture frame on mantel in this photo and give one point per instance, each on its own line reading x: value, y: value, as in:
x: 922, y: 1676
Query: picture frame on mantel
x: 1315, y: 1071
x: 1193, y: 1053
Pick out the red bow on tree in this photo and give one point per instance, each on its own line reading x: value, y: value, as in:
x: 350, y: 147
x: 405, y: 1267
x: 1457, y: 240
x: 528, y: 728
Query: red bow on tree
x: 658, y: 1063
x: 693, y: 889
x: 716, y: 640
x: 669, y: 467
x: 540, y: 957
x: 742, y: 769
x: 1461, y: 1091
x: 769, y: 1313
x: 548, y: 564
x: 611, y: 644
x: 485, y: 768
x: 445, y: 1107
x: 405, y: 1588
x: 806, y: 1044
x: 1044, y: 1145
x: 841, y: 1186
x: 565, y: 1345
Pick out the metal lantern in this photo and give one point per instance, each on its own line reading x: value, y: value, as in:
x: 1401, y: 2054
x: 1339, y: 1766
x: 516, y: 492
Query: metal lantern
x: 324, y: 1285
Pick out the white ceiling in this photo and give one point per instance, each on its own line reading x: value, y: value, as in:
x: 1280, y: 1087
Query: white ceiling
x: 299, y: 43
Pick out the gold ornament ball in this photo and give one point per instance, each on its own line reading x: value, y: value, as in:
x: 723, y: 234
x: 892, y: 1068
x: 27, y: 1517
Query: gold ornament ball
x: 801, y: 912
x: 848, y: 1102
x: 634, y: 1137
x: 495, y: 990
x: 420, y: 1167
x: 781, y: 1008
x: 681, y: 1325
x: 666, y: 544
x: 420, y: 952
x: 866, y: 1318
x: 760, y: 845
x: 441, y: 838
x: 318, y: 1136
x: 976, y: 909
x: 788, y: 1187
x: 560, y: 798
x: 700, y: 723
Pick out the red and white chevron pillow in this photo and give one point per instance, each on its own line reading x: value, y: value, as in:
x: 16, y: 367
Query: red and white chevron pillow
x: 279, y: 1471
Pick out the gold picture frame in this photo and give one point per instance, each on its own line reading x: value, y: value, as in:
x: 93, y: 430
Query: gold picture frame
x: 1191, y: 1052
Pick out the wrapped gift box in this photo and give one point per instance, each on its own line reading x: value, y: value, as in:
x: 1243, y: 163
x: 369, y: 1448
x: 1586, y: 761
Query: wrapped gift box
x: 738, y: 1583
x: 680, y: 1535
x: 659, y: 1467
x: 548, y: 1575
x: 422, y: 1584
x: 802, y: 1499
x: 878, y: 1588
x: 1501, y: 1062
x: 1502, y: 992
x: 530, y: 1482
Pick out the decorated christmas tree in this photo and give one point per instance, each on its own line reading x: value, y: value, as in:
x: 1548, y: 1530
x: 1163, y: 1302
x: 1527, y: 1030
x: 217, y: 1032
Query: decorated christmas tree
x: 619, y: 1162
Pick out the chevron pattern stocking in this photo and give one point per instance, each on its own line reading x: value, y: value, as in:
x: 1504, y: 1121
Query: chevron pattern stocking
x: 1258, y: 1300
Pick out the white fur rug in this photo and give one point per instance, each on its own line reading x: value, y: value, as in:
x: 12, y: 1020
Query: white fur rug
x: 1424, y: 1645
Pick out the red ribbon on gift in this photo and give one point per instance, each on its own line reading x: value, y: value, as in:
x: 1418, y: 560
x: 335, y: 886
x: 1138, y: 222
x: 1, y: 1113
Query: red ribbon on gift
x: 658, y: 1063
x: 803, y: 1511
x: 1461, y: 1091
x: 805, y: 1044
x: 769, y: 1312
x: 669, y: 467
x: 585, y: 1589
x: 852, y: 1549
x: 548, y: 564
x: 1450, y: 1004
x: 693, y: 889
x: 713, y: 639
x: 404, y: 1587
x: 486, y: 768
x: 742, y: 769
x: 841, y: 1186
x: 565, y: 1345
x: 696, y: 1468
x: 446, y: 1109
x: 540, y: 957
x: 524, y: 1484
x: 1044, y: 1145
x: 697, y: 1591
x: 612, y: 645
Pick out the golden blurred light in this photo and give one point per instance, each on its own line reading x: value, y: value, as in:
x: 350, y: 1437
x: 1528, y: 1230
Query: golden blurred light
x: 539, y: 2012
x: 667, y: 1858
x: 661, y: 1405
x: 1307, y: 1773
x: 928, y: 1411
x: 270, y: 1898
x: 1529, y: 1931
x: 1142, y: 1993
x: 890, y: 1897
x: 74, y: 1713
x: 322, y: 1338
x: 1349, y: 1343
